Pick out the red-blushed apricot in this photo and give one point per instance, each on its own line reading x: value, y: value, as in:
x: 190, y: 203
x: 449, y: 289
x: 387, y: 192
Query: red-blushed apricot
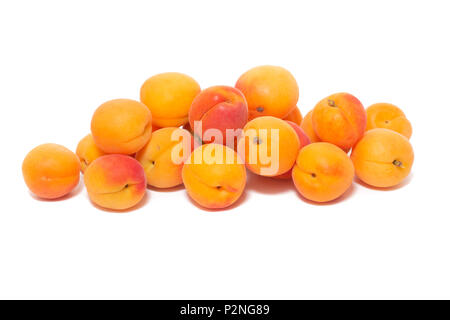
x: 115, y: 182
x: 307, y: 127
x: 163, y: 157
x: 382, y: 158
x: 269, y: 146
x: 51, y: 171
x: 214, y: 176
x: 169, y: 96
x: 304, y: 141
x: 121, y: 126
x: 322, y: 172
x: 295, y: 116
x: 388, y: 116
x: 221, y: 108
x: 339, y: 119
x: 87, y: 151
x: 269, y: 90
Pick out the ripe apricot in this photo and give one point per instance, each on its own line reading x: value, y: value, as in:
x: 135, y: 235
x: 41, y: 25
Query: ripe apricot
x: 389, y: 116
x: 121, y: 126
x: 51, y: 171
x: 382, y: 158
x: 269, y: 90
x: 87, y: 151
x: 339, y: 119
x: 304, y: 141
x: 169, y: 96
x: 221, y: 108
x: 269, y: 146
x: 115, y: 181
x: 295, y: 116
x: 163, y: 157
x: 214, y: 176
x: 308, y: 128
x: 322, y: 172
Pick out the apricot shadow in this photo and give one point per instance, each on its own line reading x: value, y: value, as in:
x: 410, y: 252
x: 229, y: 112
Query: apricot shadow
x: 164, y: 190
x: 268, y: 185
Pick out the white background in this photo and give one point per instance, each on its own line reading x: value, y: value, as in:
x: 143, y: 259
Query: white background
x: 62, y: 59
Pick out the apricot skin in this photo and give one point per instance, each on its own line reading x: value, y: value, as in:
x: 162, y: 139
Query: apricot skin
x: 304, y: 141
x: 383, y: 158
x: 388, y: 116
x: 51, y: 171
x: 288, y: 145
x: 339, y: 119
x: 218, y: 107
x: 156, y: 157
x: 322, y: 172
x: 87, y: 151
x: 115, y: 182
x: 269, y: 90
x: 169, y: 96
x: 308, y: 128
x: 121, y: 126
x: 214, y: 185
x: 295, y: 116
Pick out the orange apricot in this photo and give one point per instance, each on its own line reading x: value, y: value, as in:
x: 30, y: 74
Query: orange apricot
x: 51, y: 171
x: 269, y: 146
x: 322, y: 172
x: 87, y: 151
x: 304, y: 141
x: 382, y: 158
x: 163, y: 157
x: 308, y: 128
x: 339, y: 119
x: 169, y: 96
x: 269, y: 90
x: 115, y: 182
x: 121, y: 126
x: 388, y: 116
x: 214, y: 176
x: 295, y: 116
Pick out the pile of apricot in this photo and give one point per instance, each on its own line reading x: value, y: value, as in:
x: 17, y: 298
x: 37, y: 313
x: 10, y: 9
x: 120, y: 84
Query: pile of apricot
x: 207, y: 140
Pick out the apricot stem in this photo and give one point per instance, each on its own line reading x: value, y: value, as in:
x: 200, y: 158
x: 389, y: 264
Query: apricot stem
x: 260, y: 109
x: 397, y: 163
x: 331, y: 103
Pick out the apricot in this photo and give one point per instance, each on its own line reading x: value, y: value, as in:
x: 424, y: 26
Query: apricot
x: 322, y: 172
x: 295, y: 116
x: 339, y: 119
x: 269, y: 146
x: 308, y: 128
x: 169, y: 96
x: 382, y: 158
x: 51, y: 171
x: 304, y: 141
x: 121, y: 126
x: 221, y: 108
x: 269, y: 90
x: 388, y: 116
x: 87, y: 151
x: 214, y: 176
x: 115, y: 182
x: 163, y: 157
